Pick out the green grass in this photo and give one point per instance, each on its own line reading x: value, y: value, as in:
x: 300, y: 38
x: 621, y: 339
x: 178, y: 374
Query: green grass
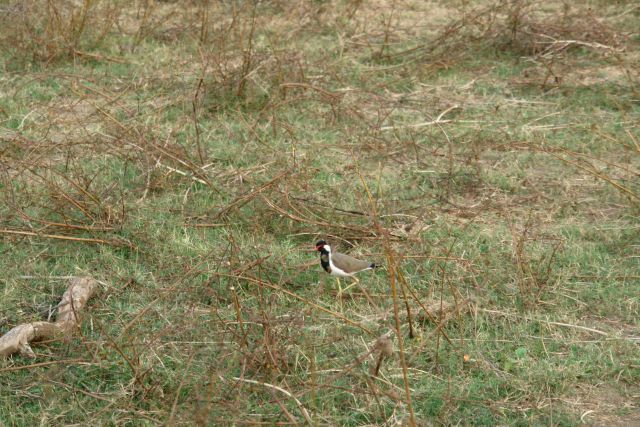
x: 518, y: 213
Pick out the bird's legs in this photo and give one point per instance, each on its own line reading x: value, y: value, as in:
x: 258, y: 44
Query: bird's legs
x: 339, y: 294
x: 340, y: 290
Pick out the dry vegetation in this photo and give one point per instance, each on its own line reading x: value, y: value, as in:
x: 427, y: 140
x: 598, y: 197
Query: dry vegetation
x: 188, y: 154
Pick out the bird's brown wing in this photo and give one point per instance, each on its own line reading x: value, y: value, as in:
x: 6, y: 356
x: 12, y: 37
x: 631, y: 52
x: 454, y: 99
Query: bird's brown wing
x: 349, y: 264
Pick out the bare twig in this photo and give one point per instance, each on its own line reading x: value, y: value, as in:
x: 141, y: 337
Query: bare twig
x: 303, y: 410
x: 75, y: 239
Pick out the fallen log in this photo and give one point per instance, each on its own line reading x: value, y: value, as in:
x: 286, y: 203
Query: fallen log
x: 18, y: 339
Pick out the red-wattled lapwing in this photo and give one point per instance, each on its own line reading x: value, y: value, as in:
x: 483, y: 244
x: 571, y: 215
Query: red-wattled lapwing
x: 341, y: 265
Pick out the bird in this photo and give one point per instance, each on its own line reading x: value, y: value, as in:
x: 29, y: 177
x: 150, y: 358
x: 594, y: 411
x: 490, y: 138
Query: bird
x: 341, y: 265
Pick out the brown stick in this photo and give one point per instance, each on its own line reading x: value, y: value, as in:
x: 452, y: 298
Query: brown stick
x: 73, y: 300
x: 62, y: 237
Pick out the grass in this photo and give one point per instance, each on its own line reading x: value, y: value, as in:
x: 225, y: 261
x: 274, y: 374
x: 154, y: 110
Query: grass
x: 487, y: 152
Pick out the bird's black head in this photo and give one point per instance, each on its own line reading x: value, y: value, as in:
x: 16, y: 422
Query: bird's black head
x: 320, y: 244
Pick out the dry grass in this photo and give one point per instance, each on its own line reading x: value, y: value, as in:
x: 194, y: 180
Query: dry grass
x: 187, y: 155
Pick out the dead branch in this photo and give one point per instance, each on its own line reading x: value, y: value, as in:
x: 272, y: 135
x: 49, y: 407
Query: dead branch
x: 73, y: 300
x: 63, y: 237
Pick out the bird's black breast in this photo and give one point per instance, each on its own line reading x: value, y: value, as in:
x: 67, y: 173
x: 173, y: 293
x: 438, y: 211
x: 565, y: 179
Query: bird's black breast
x: 324, y: 260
